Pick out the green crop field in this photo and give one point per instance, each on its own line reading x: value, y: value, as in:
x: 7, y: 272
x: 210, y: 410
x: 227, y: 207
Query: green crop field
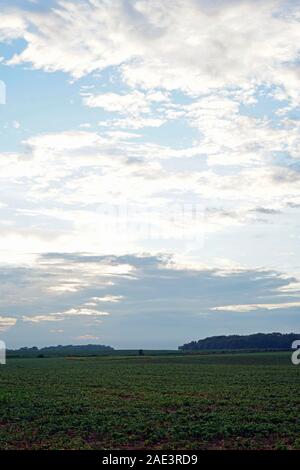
x: 217, y: 401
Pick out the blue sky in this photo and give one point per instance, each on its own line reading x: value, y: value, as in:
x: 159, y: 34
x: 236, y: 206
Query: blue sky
x: 149, y: 165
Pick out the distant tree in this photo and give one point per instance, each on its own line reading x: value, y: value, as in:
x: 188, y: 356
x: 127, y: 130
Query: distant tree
x: 141, y: 352
x: 266, y: 341
x: 62, y: 351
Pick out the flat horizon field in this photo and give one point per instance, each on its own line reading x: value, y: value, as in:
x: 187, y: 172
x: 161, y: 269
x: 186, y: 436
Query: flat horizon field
x: 216, y: 401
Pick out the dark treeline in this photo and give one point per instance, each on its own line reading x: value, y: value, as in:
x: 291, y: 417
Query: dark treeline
x: 267, y: 341
x: 70, y: 350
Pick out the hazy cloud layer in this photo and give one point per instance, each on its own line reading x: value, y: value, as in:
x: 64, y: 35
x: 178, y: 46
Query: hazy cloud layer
x: 155, y: 291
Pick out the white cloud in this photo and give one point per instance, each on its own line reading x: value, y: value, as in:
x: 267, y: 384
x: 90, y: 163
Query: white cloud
x: 83, y: 311
x: 253, y: 307
x: 64, y: 141
x: 107, y: 298
x: 110, y: 189
x: 85, y: 125
x: 41, y: 318
x: 193, y: 46
x: 7, y: 322
x: 13, y: 25
x: 60, y: 316
x: 201, y: 48
x: 293, y: 288
x: 132, y: 103
x: 86, y: 337
x: 137, y: 122
x: 16, y: 124
x: 138, y: 108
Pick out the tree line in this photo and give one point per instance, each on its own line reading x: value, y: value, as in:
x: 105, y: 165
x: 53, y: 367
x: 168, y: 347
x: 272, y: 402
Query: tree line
x: 266, y: 341
x: 69, y: 350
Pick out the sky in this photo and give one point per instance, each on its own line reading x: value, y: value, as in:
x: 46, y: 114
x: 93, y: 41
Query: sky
x: 149, y: 170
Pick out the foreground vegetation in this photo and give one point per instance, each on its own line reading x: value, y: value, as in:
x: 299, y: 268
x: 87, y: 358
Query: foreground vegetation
x: 160, y: 402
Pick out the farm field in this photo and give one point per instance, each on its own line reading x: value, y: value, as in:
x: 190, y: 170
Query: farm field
x: 214, y: 401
